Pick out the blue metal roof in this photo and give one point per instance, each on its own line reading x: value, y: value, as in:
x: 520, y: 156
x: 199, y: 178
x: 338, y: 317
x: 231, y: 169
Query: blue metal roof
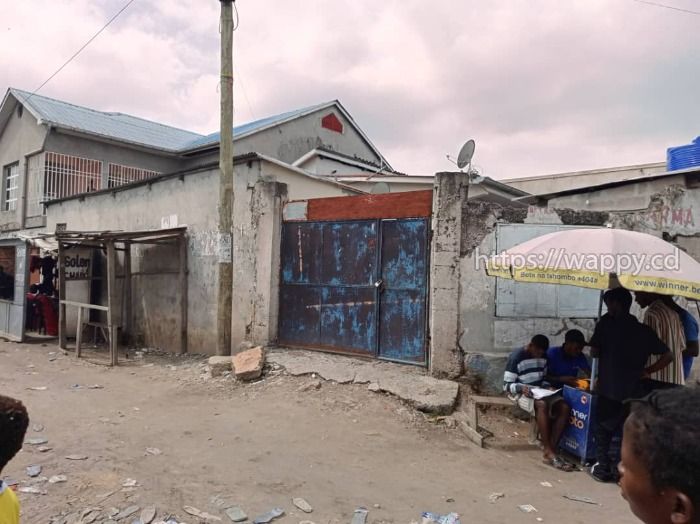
x: 141, y: 132
x: 257, y: 125
x: 117, y: 126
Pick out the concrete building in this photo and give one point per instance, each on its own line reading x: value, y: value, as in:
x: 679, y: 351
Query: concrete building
x: 52, y: 151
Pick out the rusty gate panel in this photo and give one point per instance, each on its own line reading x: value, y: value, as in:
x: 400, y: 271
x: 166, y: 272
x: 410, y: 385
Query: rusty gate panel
x: 300, y: 317
x: 402, y: 322
x: 356, y: 286
x: 349, y: 319
x: 349, y: 254
x: 301, y: 253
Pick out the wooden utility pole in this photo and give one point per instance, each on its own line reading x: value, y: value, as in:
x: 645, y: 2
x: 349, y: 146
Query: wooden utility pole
x: 223, y: 320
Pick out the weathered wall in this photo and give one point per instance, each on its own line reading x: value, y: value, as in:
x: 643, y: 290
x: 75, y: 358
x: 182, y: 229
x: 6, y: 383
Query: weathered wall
x: 466, y: 333
x: 292, y: 140
x: 543, y: 184
x: 83, y: 147
x: 192, y: 199
x: 21, y: 137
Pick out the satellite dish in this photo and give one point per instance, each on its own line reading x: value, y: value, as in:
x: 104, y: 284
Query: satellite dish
x: 380, y: 188
x: 466, y: 154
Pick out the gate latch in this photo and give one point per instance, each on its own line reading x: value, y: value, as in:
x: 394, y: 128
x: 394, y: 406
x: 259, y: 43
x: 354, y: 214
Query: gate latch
x: 379, y: 284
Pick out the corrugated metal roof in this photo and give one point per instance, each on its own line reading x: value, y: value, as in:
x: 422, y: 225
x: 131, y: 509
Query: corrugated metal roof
x: 117, y: 126
x: 251, y: 127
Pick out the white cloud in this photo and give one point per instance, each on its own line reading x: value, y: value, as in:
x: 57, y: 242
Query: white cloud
x: 542, y: 85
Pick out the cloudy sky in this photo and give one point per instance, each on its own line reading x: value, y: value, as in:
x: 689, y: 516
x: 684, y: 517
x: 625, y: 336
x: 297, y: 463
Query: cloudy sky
x: 543, y: 86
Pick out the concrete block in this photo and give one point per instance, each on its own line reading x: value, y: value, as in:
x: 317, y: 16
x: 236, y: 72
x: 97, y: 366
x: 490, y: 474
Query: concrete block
x: 249, y: 364
x: 219, y: 365
x: 484, y: 372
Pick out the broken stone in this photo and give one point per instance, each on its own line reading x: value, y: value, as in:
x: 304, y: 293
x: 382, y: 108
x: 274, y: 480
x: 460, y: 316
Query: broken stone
x: 527, y: 508
x: 307, y: 522
x: 33, y: 471
x: 44, y: 449
x: 57, y: 479
x: 360, y: 516
x: 38, y: 388
x: 148, y: 514
x: 153, y: 451
x: 219, y: 365
x: 76, y: 457
x: 199, y: 513
x: 249, y: 364
x: 129, y: 483
x: 315, y: 384
x: 96, y: 386
x: 37, y: 441
x: 128, y: 512
x: 493, y: 497
x: 236, y: 514
x: 32, y: 490
x: 374, y: 387
x: 269, y: 516
x: 302, y: 505
x: 37, y: 428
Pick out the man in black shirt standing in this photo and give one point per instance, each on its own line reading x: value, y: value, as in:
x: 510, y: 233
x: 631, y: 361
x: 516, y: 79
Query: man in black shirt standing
x: 623, y: 345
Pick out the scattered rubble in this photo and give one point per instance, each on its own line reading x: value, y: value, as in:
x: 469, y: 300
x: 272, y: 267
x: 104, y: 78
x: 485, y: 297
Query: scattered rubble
x: 33, y: 471
x: 218, y: 365
x: 302, y: 505
x: 269, y: 516
x: 128, y: 512
x: 56, y: 479
x: 493, y: 497
x: 236, y: 514
x: 36, y: 441
x: 248, y: 365
x: 200, y: 514
x: 148, y: 515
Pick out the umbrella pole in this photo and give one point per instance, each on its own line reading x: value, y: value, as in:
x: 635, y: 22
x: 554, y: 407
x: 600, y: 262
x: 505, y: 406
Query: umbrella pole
x: 594, y: 362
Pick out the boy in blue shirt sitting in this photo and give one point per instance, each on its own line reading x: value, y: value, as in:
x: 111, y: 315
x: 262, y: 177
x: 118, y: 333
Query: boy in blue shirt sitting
x: 566, y: 362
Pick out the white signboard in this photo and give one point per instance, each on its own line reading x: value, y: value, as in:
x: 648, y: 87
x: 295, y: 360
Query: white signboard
x: 77, y: 263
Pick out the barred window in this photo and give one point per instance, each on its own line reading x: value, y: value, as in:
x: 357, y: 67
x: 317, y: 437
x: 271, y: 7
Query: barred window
x: 120, y: 175
x: 67, y: 175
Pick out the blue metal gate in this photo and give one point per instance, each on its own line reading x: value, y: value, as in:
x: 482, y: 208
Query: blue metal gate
x: 356, y: 287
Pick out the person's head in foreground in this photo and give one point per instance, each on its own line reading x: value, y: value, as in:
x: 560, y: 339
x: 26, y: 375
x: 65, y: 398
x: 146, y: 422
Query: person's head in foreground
x: 13, y: 425
x: 660, y: 468
x: 538, y: 346
x: 574, y: 342
x: 618, y: 301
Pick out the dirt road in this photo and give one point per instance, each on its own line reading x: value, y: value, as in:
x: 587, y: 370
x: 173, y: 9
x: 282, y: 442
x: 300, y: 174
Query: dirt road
x: 259, y: 445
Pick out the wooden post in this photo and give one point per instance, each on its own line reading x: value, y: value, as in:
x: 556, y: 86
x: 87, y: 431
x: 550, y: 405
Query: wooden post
x: 183, y: 293
x: 111, y: 302
x: 62, y: 339
x: 225, y: 227
x: 128, y: 323
x: 79, y: 332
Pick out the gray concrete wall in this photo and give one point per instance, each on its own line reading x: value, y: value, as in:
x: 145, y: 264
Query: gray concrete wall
x: 61, y: 142
x: 290, y: 141
x: 260, y: 188
x: 629, y: 197
x: 21, y: 137
x: 537, y: 185
x: 193, y: 200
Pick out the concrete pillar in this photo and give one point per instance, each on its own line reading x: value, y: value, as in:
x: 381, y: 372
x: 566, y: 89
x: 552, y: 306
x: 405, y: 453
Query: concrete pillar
x: 448, y: 197
x: 268, y: 200
x: 256, y: 259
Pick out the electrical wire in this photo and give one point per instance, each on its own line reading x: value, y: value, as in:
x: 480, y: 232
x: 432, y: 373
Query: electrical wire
x: 116, y: 15
x: 673, y: 8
